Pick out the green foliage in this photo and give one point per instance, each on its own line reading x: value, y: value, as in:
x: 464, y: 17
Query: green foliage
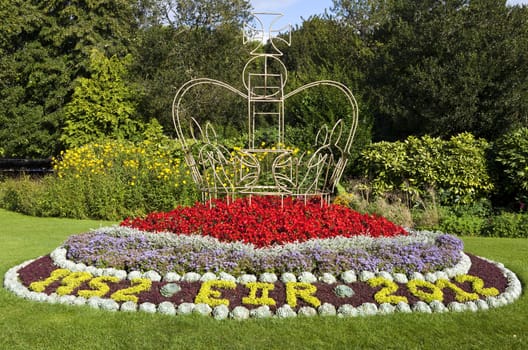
x: 44, y: 47
x: 511, y: 158
x: 443, y: 67
x: 507, y: 224
x: 102, y: 105
x: 107, y: 180
x: 455, y: 169
x: 465, y: 225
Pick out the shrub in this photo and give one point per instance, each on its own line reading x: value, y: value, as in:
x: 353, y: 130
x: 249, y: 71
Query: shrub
x: 511, y: 161
x: 455, y: 169
x: 465, y: 225
x: 513, y: 225
x: 106, y: 180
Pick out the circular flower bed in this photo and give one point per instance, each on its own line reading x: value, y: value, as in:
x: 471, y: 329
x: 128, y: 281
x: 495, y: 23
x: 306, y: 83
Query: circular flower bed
x: 264, y: 257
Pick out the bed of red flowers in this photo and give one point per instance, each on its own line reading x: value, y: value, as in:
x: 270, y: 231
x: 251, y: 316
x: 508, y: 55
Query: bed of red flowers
x: 264, y: 221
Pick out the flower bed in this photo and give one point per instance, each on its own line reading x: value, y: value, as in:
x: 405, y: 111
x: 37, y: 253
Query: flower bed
x: 267, y: 220
x: 370, y: 268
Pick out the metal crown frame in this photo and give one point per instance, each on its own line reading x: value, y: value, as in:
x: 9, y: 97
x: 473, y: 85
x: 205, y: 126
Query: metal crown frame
x: 264, y: 171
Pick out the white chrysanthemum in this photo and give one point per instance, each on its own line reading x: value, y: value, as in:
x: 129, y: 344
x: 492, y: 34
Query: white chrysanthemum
x: 134, y: 274
x: 224, y: 276
x: 191, y: 277
x: 328, y: 278
x: 261, y: 312
x: 202, y: 309
x: 307, y: 277
x: 243, y: 279
x: 172, y: 277
x: 268, y: 277
x: 208, y: 276
x: 221, y: 312
x: 421, y: 306
x: 129, y: 306
x: 307, y: 311
x: 403, y: 307
x: 239, y: 313
x: 288, y: 277
x: 386, y: 308
x: 349, y: 276
x: 347, y: 310
x: 366, y: 275
x: 147, y: 307
x: 109, y: 305
x: 327, y: 309
x: 285, y: 311
x: 167, y: 308
x: 185, y: 308
x: 152, y: 275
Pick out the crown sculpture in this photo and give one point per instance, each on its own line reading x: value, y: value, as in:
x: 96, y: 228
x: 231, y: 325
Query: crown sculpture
x: 278, y: 170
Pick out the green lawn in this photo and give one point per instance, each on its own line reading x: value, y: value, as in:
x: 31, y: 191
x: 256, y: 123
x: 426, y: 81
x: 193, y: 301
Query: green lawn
x: 30, y: 325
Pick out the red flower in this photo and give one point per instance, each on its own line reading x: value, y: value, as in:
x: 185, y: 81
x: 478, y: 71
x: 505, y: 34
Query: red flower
x: 264, y: 221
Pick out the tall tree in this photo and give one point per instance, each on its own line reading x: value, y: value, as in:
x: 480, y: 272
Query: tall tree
x: 444, y: 67
x: 44, y: 47
x: 197, y: 39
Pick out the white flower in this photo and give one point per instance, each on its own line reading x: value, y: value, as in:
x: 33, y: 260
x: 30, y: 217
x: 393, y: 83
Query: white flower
x: 288, y: 277
x: 307, y: 277
x: 327, y: 309
x: 244, y: 279
x: 221, y: 312
x: 456, y: 306
x: 152, y: 275
x: 349, y: 276
x: 191, y: 277
x: 261, y: 312
x: 285, y: 311
x: 307, y: 311
x: 403, y: 307
x: 147, y: 307
x: 167, y: 308
x: 327, y: 278
x: 366, y: 275
x: 185, y: 308
x: 268, y: 277
x: 367, y: 309
x: 437, y: 306
x: 224, y: 276
x: 239, y: 313
x: 202, y: 309
x: 386, y: 308
x: 347, y: 310
x: 417, y: 276
x: 208, y: 276
x: 421, y: 306
x: 400, y: 278
x: 134, y: 274
x: 172, y: 277
x: 109, y: 305
x: 129, y: 306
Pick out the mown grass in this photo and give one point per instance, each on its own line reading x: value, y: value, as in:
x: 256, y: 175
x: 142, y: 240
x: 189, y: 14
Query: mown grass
x: 30, y: 325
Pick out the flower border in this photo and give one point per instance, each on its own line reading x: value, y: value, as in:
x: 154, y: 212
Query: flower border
x: 221, y: 311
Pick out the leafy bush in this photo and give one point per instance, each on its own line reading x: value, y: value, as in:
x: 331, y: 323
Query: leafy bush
x: 511, y: 160
x: 107, y: 180
x: 465, y: 225
x: 513, y: 225
x: 455, y: 169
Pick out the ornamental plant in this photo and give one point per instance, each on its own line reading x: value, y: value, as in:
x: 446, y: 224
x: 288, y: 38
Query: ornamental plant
x: 456, y: 169
x: 266, y: 220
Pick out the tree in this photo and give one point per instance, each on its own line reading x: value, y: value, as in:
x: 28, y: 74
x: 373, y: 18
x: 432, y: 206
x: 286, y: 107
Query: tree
x: 102, y: 105
x: 185, y: 47
x: 445, y: 67
x: 44, y: 47
x: 325, y: 49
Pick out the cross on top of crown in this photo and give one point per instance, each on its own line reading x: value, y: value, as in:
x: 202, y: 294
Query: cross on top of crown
x: 263, y: 29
